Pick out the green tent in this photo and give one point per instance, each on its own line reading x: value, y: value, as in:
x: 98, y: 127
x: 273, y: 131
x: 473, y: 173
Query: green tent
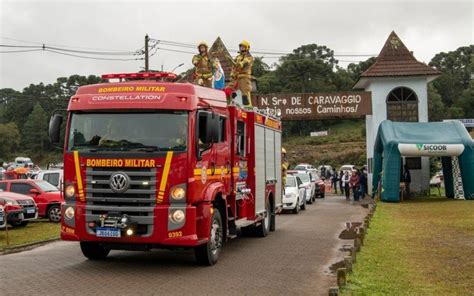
x: 438, y: 139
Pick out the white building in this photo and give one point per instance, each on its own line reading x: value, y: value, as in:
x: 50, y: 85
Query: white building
x: 398, y: 83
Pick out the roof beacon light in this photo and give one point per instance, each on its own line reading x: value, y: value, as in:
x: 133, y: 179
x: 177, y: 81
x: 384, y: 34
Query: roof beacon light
x: 141, y: 75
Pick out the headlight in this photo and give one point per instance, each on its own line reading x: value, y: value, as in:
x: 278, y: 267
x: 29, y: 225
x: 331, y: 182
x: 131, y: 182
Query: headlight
x: 177, y: 216
x: 69, y: 213
x: 11, y: 202
x: 178, y: 193
x: 70, y: 191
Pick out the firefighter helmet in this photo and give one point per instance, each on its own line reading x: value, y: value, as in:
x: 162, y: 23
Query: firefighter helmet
x: 203, y: 43
x: 246, y: 44
x: 283, y: 150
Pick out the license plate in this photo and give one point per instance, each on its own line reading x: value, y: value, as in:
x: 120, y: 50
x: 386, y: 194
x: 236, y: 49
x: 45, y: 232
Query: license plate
x: 30, y: 211
x: 107, y: 232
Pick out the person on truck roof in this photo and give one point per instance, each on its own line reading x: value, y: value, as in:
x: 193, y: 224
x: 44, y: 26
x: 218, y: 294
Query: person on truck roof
x: 242, y: 72
x: 203, y: 68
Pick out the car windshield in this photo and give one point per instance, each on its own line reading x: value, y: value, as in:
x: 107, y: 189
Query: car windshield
x: 300, y: 167
x: 290, y: 182
x: 45, y: 186
x: 157, y: 131
x: 304, y: 178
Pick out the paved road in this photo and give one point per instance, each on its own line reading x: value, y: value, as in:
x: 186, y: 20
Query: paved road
x: 294, y: 259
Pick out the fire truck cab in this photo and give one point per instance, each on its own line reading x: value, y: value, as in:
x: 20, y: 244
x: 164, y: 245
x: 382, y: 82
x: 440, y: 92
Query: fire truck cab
x: 156, y: 164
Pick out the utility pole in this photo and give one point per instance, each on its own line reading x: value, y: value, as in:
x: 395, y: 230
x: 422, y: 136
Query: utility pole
x: 146, y: 52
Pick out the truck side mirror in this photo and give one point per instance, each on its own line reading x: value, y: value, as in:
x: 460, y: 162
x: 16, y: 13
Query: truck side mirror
x: 54, y: 129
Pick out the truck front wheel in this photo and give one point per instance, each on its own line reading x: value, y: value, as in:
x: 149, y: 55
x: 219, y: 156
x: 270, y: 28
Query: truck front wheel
x: 264, y: 227
x: 208, y: 254
x: 94, y: 251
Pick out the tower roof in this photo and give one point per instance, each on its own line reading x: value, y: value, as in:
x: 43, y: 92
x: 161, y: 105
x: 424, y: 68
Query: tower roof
x: 396, y: 60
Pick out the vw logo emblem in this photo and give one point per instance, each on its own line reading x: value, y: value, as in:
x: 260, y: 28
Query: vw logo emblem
x: 119, y: 182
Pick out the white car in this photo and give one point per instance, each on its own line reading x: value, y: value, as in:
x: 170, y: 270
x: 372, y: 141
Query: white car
x: 54, y: 177
x: 3, y: 218
x: 308, y: 185
x: 304, y: 167
x: 347, y: 168
x: 294, y: 198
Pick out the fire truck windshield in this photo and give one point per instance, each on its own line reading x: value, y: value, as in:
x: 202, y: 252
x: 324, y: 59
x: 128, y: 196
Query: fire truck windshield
x: 157, y: 131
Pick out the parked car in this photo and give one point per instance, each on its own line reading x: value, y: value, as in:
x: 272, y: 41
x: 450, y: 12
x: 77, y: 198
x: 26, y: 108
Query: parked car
x: 53, y: 177
x: 305, y: 167
x: 309, y: 187
x: 3, y: 218
x: 320, y: 186
x: 347, y: 168
x: 47, y: 196
x: 19, y: 208
x: 324, y: 171
x: 294, y: 198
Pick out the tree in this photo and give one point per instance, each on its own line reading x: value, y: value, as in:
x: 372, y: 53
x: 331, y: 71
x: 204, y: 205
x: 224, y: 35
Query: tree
x: 10, y: 136
x: 35, y: 131
x: 259, y: 67
x: 355, y: 70
x: 456, y: 68
x: 436, y: 108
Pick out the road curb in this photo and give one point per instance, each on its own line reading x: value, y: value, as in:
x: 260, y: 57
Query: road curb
x: 26, y: 247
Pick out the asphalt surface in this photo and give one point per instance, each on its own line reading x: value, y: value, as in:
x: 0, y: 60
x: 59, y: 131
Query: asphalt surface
x: 293, y: 260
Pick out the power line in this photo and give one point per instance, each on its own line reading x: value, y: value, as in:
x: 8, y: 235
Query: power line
x: 58, y: 45
x: 44, y: 47
x: 92, y: 58
x: 18, y: 51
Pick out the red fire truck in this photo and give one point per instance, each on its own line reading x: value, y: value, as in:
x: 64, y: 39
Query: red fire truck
x: 155, y: 164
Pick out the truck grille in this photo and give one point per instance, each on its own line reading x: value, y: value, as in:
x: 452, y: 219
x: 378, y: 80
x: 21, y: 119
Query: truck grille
x: 137, y: 201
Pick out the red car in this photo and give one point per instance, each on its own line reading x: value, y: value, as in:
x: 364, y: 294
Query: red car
x: 47, y: 197
x: 19, y: 209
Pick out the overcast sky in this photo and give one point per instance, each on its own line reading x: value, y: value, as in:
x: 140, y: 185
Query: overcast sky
x: 347, y: 27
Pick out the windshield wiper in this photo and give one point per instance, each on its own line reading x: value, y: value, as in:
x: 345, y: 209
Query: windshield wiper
x: 146, y: 148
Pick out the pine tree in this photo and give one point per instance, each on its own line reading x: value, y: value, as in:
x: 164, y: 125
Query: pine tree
x: 35, y: 130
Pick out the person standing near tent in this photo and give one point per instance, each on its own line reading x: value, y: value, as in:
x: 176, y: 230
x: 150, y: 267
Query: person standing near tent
x: 341, y: 182
x: 363, y: 184
x: 407, y: 180
x: 354, y: 183
x: 345, y: 183
x: 242, y: 72
x: 202, y: 66
x: 334, y: 180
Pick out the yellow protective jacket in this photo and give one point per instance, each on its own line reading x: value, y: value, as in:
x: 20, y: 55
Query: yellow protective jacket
x: 242, y: 66
x: 203, y: 66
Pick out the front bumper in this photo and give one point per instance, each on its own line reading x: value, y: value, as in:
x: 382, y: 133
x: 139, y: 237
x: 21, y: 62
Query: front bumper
x: 192, y: 232
x: 289, y: 203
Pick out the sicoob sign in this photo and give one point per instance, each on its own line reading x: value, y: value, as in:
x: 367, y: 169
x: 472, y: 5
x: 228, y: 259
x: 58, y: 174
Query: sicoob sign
x: 305, y: 106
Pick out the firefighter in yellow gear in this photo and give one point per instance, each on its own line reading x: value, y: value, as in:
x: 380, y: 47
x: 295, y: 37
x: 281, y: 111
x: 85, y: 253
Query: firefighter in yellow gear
x: 203, y: 70
x: 242, y: 72
x: 284, y: 167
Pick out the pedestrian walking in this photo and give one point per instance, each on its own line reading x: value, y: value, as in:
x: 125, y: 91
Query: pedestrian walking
x: 341, y: 182
x: 363, y: 184
x: 407, y: 180
x: 354, y: 183
x: 334, y: 180
x: 346, y: 183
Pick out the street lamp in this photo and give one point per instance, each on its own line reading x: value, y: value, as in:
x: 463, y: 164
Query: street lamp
x: 172, y: 71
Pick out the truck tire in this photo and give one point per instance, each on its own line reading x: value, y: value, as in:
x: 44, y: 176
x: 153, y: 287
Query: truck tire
x: 208, y: 254
x: 54, y: 213
x: 94, y: 251
x: 264, y: 227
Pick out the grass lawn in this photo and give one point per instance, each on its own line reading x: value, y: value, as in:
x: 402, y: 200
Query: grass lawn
x: 33, y: 232
x: 418, y: 247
